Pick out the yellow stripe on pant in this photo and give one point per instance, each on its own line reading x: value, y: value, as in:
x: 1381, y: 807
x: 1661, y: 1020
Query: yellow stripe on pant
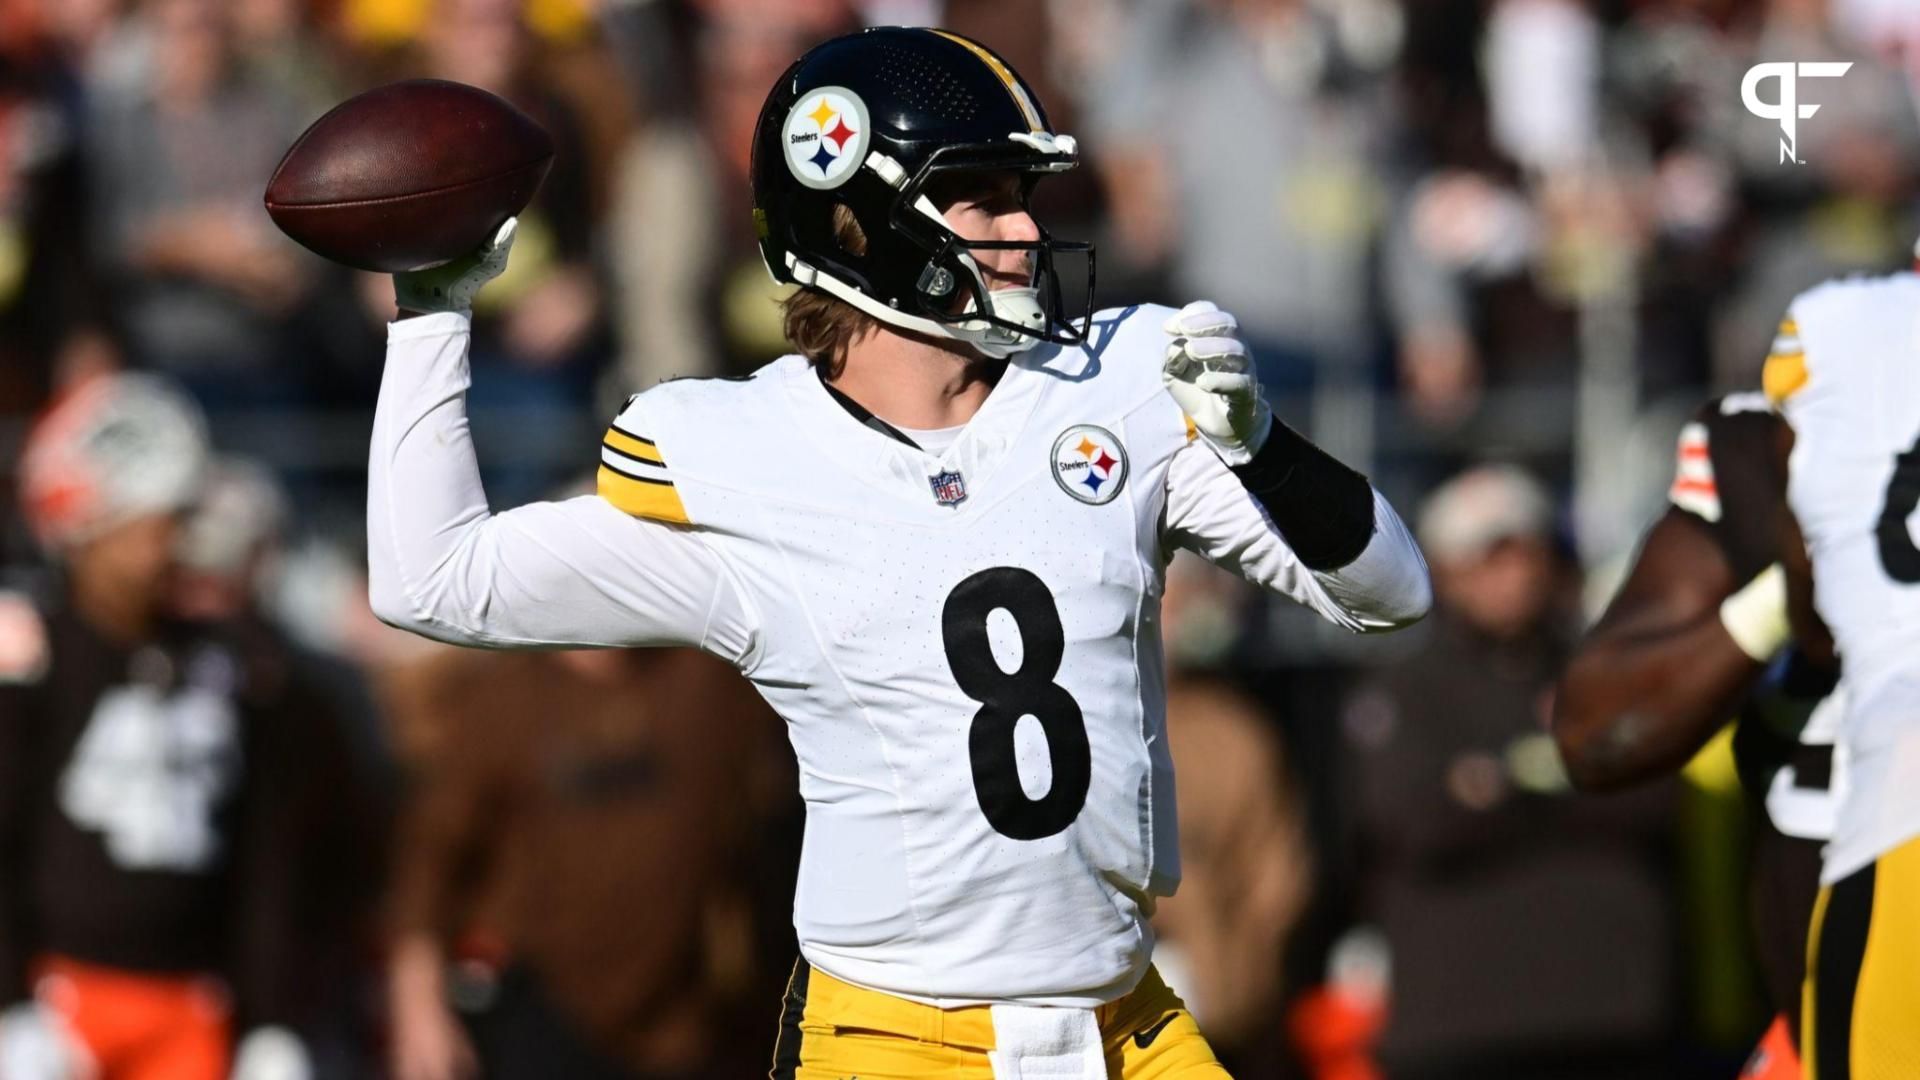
x: 1862, y: 1001
x: 845, y: 1031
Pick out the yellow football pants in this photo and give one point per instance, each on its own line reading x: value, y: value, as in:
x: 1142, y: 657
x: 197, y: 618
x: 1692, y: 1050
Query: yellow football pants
x: 830, y: 1030
x: 1860, y: 1008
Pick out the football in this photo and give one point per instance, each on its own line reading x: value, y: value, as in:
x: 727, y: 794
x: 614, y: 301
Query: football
x: 408, y: 175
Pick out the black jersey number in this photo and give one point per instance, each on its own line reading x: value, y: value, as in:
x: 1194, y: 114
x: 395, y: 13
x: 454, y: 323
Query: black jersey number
x: 1006, y: 696
x: 1898, y: 555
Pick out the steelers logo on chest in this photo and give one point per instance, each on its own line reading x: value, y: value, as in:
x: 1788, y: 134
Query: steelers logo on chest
x: 1089, y: 464
x: 826, y: 137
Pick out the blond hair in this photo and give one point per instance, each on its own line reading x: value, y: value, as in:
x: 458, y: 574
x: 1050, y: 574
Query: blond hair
x: 822, y: 326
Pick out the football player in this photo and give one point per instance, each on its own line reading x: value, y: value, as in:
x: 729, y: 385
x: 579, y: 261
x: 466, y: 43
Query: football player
x: 1696, y: 635
x: 156, y: 778
x: 935, y: 541
x: 1843, y: 375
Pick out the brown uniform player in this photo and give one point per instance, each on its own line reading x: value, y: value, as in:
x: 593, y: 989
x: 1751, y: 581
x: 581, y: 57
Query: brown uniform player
x: 1686, y: 645
x: 157, y: 781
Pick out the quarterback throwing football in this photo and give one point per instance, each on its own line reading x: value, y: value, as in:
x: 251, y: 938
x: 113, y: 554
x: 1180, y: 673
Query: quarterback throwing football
x: 934, y: 540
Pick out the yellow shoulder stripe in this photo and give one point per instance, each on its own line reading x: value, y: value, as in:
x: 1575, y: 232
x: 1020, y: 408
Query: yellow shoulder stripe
x: 1193, y: 431
x: 1785, y: 371
x: 634, y: 447
x: 1783, y: 375
x: 1007, y: 79
x: 654, y: 499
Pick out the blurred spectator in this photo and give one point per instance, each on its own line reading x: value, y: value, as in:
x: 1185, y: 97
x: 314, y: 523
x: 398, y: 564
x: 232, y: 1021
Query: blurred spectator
x: 81, y: 26
x: 230, y: 549
x: 1543, y: 73
x: 229, y: 542
x: 1241, y: 145
x: 161, y: 782
x: 1245, y: 871
x: 1511, y: 224
x: 694, y: 297
x: 1461, y: 236
x: 43, y: 287
x: 1846, y: 205
x: 181, y: 140
x: 1530, y: 933
x: 582, y: 822
x: 278, y: 37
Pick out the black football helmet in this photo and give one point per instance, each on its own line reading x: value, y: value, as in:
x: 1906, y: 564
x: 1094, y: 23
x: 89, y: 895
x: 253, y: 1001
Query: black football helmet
x: 868, y: 121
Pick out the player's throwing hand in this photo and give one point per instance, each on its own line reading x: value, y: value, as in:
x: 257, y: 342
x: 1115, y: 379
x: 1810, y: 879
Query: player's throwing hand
x: 451, y: 286
x: 1210, y: 374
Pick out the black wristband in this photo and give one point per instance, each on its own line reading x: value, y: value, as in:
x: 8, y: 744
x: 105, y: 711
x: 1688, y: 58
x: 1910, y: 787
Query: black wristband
x: 1323, y: 509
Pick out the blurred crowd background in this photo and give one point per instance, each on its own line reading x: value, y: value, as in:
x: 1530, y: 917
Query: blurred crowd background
x: 1493, y: 252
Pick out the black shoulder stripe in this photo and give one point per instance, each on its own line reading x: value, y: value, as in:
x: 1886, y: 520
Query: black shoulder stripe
x: 635, y: 458
x: 631, y: 435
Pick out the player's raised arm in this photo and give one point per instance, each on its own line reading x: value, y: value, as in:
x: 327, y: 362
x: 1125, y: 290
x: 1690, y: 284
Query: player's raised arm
x: 580, y: 572
x: 1663, y: 669
x: 1702, y: 610
x: 1261, y: 499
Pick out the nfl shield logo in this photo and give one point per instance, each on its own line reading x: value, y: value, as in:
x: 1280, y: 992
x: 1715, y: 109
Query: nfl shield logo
x: 948, y: 488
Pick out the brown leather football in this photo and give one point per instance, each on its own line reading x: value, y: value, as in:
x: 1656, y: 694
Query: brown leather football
x: 408, y: 175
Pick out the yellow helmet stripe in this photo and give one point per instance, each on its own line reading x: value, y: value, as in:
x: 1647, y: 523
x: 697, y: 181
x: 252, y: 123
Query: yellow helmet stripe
x: 1014, y: 89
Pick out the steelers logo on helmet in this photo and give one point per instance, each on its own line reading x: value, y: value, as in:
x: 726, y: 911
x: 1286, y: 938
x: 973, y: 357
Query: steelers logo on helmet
x: 1089, y: 464
x: 826, y: 137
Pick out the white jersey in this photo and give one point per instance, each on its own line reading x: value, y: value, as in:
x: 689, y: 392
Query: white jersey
x: 1845, y: 371
x: 964, y: 646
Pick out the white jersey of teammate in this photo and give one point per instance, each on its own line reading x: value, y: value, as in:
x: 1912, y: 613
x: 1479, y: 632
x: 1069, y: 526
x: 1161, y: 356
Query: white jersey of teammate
x: 964, y: 646
x: 1844, y: 374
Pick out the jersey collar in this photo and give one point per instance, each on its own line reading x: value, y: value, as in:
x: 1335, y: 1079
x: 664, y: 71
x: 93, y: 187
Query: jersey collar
x: 886, y: 458
x: 860, y: 412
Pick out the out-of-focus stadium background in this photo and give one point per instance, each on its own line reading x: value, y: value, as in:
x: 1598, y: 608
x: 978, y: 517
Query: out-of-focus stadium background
x: 1493, y: 252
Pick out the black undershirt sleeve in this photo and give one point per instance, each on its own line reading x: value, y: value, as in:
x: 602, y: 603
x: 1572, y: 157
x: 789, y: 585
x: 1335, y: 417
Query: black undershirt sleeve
x: 1322, y: 508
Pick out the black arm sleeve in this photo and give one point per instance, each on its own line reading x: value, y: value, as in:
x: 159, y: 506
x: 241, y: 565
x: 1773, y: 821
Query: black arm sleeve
x: 1322, y: 508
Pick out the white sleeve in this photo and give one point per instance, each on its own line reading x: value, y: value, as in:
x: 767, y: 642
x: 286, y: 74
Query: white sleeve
x: 1212, y: 514
x: 578, y: 572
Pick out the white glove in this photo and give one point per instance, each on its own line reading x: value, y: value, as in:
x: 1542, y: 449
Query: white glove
x: 271, y: 1053
x: 451, y: 286
x: 36, y: 1045
x: 1210, y: 375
